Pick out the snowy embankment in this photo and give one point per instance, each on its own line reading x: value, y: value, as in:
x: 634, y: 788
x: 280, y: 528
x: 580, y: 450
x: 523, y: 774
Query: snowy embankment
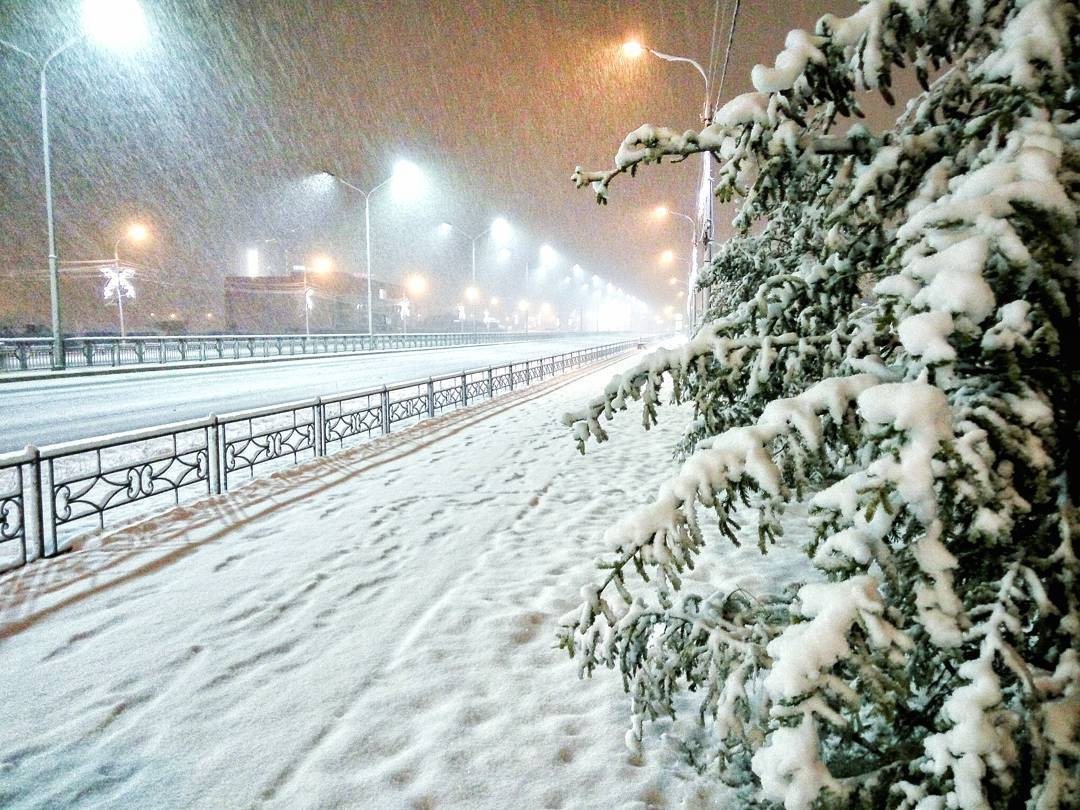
x: 375, y: 629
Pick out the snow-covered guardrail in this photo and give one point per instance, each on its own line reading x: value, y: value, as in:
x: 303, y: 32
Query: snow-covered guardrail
x: 48, y: 495
x: 34, y: 354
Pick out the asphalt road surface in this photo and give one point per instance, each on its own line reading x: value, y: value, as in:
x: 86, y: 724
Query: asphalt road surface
x: 55, y: 410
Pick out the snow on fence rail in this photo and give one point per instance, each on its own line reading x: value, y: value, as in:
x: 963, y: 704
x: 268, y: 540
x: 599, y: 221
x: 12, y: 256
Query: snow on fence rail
x: 49, y: 495
x: 30, y: 354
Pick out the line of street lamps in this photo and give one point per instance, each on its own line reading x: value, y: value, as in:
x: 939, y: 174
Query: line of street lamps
x: 409, y: 180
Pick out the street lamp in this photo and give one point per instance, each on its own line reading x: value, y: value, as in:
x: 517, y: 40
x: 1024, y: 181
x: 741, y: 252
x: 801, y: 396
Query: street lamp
x: 415, y: 287
x: 499, y: 229
x: 118, y: 280
x: 662, y: 212
x: 320, y: 264
x: 548, y: 256
x: 472, y: 295
x: 633, y: 49
x: 118, y: 24
x: 407, y: 181
x: 523, y: 306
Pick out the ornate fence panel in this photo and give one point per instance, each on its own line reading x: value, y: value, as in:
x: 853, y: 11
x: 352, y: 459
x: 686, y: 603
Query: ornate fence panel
x: 500, y: 378
x: 51, y: 495
x: 447, y: 393
x: 476, y: 385
x: 519, y: 374
x: 407, y: 403
x: 351, y: 416
x: 285, y: 434
x: 85, y: 480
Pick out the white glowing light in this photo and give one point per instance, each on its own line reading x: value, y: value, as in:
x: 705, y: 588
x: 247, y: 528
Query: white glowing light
x: 408, y: 181
x: 416, y: 285
x: 116, y: 24
x: 501, y: 230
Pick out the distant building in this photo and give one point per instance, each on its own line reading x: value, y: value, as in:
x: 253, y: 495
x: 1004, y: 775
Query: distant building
x: 266, y: 305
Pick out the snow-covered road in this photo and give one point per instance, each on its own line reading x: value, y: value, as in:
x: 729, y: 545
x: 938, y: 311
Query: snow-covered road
x: 47, y: 411
x: 372, y: 630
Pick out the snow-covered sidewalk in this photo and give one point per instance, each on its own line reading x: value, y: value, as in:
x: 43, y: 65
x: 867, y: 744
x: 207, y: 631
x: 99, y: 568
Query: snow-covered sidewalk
x: 375, y: 629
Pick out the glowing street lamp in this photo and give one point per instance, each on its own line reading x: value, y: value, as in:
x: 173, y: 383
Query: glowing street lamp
x: 416, y: 285
x: 119, y: 281
x: 320, y: 264
x: 633, y: 49
x: 406, y: 182
x: 667, y: 257
x: 116, y: 24
x: 472, y: 295
x: 548, y: 256
x: 523, y: 308
x: 500, y: 231
x: 252, y: 259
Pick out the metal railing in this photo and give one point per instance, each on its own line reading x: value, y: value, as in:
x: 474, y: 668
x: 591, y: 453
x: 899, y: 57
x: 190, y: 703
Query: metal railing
x: 50, y: 495
x: 35, y: 354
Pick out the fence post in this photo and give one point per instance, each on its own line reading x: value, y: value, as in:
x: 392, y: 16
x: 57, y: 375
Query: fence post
x: 320, y: 433
x: 385, y: 407
x: 528, y: 373
x: 464, y: 389
x: 46, y: 490
x: 510, y: 376
x: 430, y: 398
x: 34, y: 529
x: 491, y: 384
x: 213, y: 456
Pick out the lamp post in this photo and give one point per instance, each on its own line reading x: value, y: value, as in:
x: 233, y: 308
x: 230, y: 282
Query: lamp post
x: 661, y: 212
x: 472, y: 295
x: 320, y: 264
x: 523, y: 305
x: 115, y: 23
x: 499, y: 228
x: 416, y: 286
x: 407, y: 178
x: 135, y: 233
x: 634, y: 49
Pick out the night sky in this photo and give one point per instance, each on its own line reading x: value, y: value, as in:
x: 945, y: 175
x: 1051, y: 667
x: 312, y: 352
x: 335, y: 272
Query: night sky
x: 208, y: 134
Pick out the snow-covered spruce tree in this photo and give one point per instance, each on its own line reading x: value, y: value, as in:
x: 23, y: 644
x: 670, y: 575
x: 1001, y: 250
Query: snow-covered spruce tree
x: 893, y: 340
